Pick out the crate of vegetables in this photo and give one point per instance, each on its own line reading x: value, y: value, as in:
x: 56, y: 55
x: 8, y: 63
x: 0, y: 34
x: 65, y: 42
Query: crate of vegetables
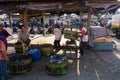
x: 57, y: 64
x: 71, y: 34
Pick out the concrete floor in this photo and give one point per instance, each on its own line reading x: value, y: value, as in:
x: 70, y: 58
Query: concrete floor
x: 99, y: 65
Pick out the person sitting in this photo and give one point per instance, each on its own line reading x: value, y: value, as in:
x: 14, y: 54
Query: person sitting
x: 23, y: 37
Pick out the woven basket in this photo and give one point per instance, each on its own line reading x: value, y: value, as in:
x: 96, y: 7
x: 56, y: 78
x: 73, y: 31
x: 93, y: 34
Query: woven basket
x: 57, y: 68
x: 19, y: 64
x: 18, y: 47
x: 46, y: 49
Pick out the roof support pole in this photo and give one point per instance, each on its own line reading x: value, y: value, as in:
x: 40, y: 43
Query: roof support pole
x: 21, y: 16
x: 43, y: 22
x: 10, y: 19
x: 89, y: 18
x: 81, y: 12
x: 25, y: 19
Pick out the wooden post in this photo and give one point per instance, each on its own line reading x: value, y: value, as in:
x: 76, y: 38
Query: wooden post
x: 10, y: 19
x: 21, y: 16
x: 43, y: 22
x: 25, y: 19
x: 89, y: 18
x: 81, y: 12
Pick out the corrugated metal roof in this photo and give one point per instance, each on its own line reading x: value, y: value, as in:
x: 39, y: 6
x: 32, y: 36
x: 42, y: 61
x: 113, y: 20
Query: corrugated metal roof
x: 71, y: 5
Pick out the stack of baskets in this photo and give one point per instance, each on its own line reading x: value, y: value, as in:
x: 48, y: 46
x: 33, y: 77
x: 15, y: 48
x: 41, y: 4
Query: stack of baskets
x: 19, y: 64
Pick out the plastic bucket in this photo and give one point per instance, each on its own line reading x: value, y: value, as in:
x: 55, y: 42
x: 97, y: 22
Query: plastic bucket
x: 34, y: 53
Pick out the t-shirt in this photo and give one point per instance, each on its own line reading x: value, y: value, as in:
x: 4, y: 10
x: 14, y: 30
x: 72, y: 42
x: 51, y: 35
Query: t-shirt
x: 23, y: 36
x: 2, y: 49
x: 57, y: 33
x: 84, y: 35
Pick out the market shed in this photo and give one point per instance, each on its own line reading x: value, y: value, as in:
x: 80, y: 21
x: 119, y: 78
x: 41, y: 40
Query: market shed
x: 40, y: 7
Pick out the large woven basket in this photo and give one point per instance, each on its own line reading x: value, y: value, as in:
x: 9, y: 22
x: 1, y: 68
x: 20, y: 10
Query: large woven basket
x: 57, y: 68
x: 46, y: 49
x: 19, y: 64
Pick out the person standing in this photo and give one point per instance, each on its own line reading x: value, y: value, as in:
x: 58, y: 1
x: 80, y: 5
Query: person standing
x: 58, y: 35
x: 3, y: 49
x: 84, y: 38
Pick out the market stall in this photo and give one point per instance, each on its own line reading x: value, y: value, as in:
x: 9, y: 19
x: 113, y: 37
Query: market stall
x: 100, y: 39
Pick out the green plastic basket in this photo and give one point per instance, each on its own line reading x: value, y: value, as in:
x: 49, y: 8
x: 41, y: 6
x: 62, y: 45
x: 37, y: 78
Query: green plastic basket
x: 18, y: 47
x: 57, y: 68
x: 46, y: 49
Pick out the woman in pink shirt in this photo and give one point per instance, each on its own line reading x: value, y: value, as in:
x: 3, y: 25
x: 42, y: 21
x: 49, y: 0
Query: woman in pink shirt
x: 3, y: 56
